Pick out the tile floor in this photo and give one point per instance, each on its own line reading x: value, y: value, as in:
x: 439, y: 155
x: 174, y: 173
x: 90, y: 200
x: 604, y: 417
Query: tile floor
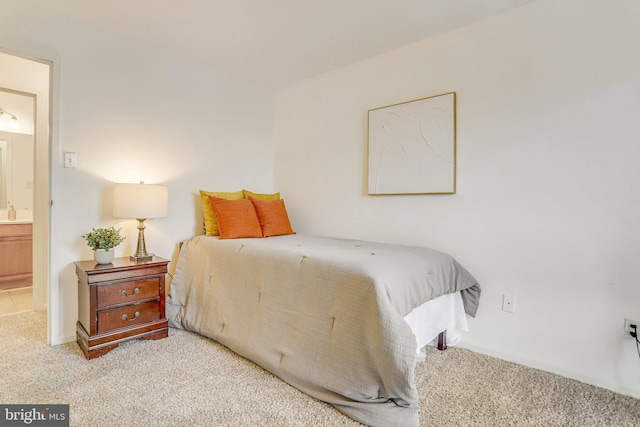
x: 16, y: 300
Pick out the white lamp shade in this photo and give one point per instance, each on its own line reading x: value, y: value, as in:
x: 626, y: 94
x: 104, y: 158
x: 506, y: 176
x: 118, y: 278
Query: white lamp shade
x: 140, y: 201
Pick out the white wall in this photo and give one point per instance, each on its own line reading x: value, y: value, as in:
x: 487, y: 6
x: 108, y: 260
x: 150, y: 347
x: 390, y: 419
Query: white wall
x: 133, y: 112
x: 547, y: 206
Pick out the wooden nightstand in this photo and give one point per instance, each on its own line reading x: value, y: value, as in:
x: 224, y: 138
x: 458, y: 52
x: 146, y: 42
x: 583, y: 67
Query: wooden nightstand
x: 119, y: 302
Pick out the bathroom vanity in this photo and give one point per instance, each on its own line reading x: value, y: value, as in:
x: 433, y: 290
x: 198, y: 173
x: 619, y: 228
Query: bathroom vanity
x: 16, y: 253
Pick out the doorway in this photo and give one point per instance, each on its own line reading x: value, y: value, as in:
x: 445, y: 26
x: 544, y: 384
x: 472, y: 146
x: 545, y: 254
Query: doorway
x: 31, y: 77
x: 16, y: 199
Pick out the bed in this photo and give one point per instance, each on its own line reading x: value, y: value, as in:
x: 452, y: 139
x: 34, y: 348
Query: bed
x: 329, y: 316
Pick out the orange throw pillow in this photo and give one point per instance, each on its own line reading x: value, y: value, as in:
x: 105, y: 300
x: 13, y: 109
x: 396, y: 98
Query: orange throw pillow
x: 273, y: 217
x: 236, y: 218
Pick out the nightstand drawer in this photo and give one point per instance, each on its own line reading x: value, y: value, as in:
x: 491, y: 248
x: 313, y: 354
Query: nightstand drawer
x: 128, y: 316
x: 128, y: 292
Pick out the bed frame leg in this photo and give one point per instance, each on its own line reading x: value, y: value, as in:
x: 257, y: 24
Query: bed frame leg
x: 442, y: 341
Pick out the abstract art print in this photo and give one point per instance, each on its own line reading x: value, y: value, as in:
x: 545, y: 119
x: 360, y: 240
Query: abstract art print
x: 412, y: 147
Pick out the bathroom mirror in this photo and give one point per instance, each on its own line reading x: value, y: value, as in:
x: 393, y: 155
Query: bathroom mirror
x: 16, y: 170
x: 17, y: 126
x: 3, y: 174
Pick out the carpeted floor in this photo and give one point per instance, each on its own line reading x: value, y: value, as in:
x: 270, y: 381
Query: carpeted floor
x: 188, y: 380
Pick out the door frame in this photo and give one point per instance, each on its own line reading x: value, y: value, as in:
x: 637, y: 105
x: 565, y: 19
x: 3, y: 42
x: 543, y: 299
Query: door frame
x: 43, y: 143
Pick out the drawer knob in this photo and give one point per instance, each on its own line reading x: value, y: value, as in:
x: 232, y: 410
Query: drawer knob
x: 135, y: 316
x: 135, y: 291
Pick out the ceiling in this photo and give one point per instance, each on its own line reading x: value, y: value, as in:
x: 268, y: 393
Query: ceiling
x: 279, y: 42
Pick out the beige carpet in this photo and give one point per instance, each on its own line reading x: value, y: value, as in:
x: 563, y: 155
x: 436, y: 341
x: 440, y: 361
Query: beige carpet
x: 187, y: 380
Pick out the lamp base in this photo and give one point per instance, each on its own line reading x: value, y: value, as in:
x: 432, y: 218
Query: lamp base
x: 146, y: 257
x: 141, y: 252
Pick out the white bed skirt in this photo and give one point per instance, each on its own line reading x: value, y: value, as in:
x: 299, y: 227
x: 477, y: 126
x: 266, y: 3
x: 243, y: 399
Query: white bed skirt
x: 444, y: 313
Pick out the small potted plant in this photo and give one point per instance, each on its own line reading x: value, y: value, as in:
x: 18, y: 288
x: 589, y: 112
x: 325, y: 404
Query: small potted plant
x: 102, y: 241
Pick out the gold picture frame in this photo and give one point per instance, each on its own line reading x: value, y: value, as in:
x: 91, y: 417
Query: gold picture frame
x: 412, y: 147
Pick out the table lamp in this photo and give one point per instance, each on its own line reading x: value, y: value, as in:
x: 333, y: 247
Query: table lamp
x: 140, y: 201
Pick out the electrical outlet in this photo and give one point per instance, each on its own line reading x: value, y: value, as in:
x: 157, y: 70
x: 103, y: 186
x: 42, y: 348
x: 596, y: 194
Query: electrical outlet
x: 628, y: 329
x: 509, y: 303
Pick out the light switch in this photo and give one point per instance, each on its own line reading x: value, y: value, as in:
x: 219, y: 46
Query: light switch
x: 70, y: 160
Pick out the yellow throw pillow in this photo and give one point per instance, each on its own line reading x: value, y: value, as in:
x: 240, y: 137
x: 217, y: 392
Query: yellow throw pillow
x: 264, y: 197
x: 210, y: 223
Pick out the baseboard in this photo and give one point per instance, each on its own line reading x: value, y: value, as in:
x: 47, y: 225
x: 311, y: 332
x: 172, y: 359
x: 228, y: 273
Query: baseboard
x: 63, y: 339
x: 537, y: 364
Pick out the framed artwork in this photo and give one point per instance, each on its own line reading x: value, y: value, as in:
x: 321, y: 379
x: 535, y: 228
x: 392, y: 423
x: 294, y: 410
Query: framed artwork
x: 412, y: 147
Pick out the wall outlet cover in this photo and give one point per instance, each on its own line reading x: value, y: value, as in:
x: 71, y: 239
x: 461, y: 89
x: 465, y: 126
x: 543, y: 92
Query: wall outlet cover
x: 509, y: 303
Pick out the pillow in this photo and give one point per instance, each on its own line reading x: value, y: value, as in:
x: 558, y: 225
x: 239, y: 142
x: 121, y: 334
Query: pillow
x: 274, y: 196
x: 236, y: 218
x: 273, y: 217
x: 210, y: 224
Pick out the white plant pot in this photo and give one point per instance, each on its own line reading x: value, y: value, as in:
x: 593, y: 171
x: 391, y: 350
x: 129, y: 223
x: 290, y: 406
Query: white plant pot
x: 103, y: 256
